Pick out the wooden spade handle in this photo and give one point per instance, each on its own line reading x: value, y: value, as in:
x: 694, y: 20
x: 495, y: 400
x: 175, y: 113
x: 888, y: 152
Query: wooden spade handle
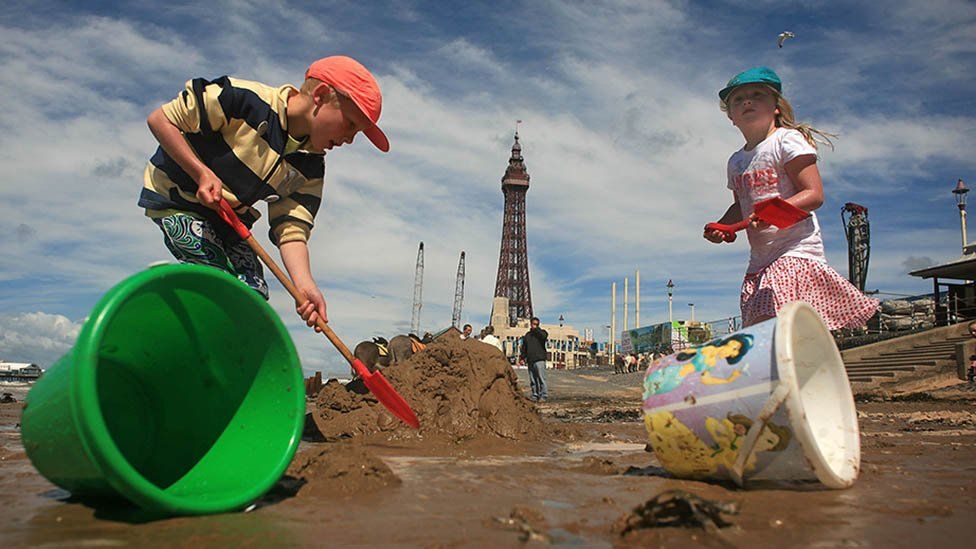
x: 230, y: 216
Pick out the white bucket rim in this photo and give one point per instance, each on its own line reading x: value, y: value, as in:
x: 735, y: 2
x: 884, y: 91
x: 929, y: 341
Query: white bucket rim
x: 796, y: 410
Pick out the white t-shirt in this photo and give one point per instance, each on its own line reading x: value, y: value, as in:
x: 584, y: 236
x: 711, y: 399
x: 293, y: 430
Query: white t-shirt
x: 490, y: 339
x: 760, y: 174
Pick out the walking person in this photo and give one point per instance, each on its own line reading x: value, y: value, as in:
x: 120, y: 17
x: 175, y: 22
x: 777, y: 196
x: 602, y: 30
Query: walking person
x: 533, y: 354
x: 779, y: 159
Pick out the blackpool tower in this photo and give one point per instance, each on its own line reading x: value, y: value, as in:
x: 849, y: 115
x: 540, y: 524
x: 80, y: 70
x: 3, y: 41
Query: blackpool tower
x: 512, y: 281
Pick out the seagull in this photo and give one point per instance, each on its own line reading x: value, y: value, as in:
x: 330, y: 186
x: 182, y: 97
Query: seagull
x: 783, y: 36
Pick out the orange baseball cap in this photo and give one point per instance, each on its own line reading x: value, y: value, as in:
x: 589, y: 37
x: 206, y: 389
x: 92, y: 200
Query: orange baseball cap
x: 351, y: 78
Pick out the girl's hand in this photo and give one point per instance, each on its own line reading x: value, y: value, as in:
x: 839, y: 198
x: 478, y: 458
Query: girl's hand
x: 757, y: 223
x: 209, y: 188
x: 714, y: 235
x: 313, y: 308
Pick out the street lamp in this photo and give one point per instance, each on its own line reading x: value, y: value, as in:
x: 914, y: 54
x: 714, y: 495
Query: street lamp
x: 960, y: 192
x: 692, y: 305
x: 670, y: 292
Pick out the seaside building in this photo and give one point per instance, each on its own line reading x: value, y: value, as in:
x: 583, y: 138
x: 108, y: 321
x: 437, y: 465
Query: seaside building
x: 19, y: 371
x: 564, y: 347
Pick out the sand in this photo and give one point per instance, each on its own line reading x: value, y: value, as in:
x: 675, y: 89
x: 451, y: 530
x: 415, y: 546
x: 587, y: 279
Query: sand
x: 396, y: 487
x: 340, y: 469
x: 458, y: 389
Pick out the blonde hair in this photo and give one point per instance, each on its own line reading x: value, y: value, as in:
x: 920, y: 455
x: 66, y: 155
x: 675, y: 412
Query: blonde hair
x: 786, y: 119
x: 311, y: 83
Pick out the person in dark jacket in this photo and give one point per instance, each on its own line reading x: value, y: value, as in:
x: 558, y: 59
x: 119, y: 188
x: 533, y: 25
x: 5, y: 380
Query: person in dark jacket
x: 533, y: 354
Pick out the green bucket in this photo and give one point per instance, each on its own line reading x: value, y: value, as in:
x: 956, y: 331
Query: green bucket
x: 183, y: 394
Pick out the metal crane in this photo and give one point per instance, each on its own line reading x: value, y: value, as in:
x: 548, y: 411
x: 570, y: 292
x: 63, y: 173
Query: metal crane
x: 458, y: 293
x: 418, y: 291
x: 858, y: 231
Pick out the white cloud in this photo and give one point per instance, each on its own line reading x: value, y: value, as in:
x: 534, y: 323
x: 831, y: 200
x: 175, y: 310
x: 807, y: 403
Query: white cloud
x: 41, y: 338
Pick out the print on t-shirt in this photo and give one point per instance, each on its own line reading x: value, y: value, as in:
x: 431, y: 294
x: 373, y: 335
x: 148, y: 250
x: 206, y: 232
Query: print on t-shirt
x: 760, y: 174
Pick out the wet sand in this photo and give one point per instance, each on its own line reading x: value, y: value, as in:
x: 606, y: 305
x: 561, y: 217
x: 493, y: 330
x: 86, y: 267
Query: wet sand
x: 918, y: 485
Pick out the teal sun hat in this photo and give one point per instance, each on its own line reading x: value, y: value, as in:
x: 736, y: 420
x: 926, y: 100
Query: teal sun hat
x: 755, y: 75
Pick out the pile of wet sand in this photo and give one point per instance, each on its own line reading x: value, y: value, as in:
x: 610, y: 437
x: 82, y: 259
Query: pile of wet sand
x: 339, y: 469
x: 458, y: 389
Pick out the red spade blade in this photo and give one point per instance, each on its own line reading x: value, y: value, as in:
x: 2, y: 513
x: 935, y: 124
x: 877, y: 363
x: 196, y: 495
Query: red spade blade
x: 386, y: 394
x: 779, y: 212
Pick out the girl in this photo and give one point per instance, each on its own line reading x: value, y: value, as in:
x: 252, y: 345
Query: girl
x: 780, y: 159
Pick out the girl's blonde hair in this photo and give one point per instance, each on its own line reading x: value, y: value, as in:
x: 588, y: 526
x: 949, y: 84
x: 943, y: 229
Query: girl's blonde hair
x: 786, y: 119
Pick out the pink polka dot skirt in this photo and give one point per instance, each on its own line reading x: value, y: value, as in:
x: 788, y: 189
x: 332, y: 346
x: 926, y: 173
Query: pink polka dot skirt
x: 790, y: 279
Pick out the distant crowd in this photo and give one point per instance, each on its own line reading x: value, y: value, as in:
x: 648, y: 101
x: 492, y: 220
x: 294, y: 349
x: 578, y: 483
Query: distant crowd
x: 625, y: 363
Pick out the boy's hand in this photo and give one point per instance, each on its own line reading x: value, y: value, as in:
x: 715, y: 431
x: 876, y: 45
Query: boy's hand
x: 209, y: 188
x: 313, y: 308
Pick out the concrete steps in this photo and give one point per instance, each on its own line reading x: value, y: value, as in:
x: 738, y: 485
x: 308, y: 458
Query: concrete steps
x: 910, y: 357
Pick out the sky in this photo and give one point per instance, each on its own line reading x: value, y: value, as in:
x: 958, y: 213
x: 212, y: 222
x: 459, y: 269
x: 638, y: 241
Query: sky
x: 621, y: 134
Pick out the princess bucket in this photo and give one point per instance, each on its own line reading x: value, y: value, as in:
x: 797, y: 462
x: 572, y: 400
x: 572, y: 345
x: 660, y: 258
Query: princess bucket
x: 770, y: 402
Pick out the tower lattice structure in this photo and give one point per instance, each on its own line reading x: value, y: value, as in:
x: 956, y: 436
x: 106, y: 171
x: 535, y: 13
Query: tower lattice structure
x: 458, y: 293
x: 418, y: 291
x: 512, y: 280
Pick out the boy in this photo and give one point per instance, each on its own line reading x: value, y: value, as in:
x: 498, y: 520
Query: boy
x: 246, y: 141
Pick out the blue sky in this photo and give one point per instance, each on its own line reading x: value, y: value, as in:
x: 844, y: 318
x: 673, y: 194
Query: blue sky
x: 622, y: 137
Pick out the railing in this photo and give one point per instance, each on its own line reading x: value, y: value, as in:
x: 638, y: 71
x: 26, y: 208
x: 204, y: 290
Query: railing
x: 724, y: 326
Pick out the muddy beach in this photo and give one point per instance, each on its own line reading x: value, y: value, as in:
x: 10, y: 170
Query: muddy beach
x: 491, y: 468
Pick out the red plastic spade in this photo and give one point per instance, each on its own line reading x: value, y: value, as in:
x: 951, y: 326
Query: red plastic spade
x: 374, y: 381
x: 774, y: 211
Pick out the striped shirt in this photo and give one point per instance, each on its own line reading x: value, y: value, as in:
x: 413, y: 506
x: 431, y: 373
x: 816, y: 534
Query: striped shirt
x: 239, y: 129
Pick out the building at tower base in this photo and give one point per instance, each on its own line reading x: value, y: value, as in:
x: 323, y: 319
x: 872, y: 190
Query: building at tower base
x: 563, y: 349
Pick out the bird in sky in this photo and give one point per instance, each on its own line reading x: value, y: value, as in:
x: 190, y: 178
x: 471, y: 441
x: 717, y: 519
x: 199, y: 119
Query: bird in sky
x: 783, y: 36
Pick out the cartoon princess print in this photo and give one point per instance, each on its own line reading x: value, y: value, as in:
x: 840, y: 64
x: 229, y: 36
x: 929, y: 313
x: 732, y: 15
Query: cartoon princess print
x: 681, y: 452
x: 699, y: 359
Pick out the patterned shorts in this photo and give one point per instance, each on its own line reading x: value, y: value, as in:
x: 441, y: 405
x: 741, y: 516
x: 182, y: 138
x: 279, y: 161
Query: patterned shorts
x: 789, y: 279
x: 193, y: 240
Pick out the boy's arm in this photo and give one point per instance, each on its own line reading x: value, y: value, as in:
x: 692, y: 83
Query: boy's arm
x: 172, y: 141
x: 291, y: 218
x: 294, y: 254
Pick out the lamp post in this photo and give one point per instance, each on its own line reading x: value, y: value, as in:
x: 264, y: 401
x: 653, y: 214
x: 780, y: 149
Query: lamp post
x: 692, y: 305
x: 960, y: 192
x: 670, y: 293
x: 613, y: 320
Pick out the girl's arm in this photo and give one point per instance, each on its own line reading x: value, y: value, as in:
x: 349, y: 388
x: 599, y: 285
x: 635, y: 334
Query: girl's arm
x: 732, y: 215
x: 803, y: 172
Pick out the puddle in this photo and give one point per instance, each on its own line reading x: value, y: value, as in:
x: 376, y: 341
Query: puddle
x: 557, y: 504
x: 583, y: 448
x: 560, y: 536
